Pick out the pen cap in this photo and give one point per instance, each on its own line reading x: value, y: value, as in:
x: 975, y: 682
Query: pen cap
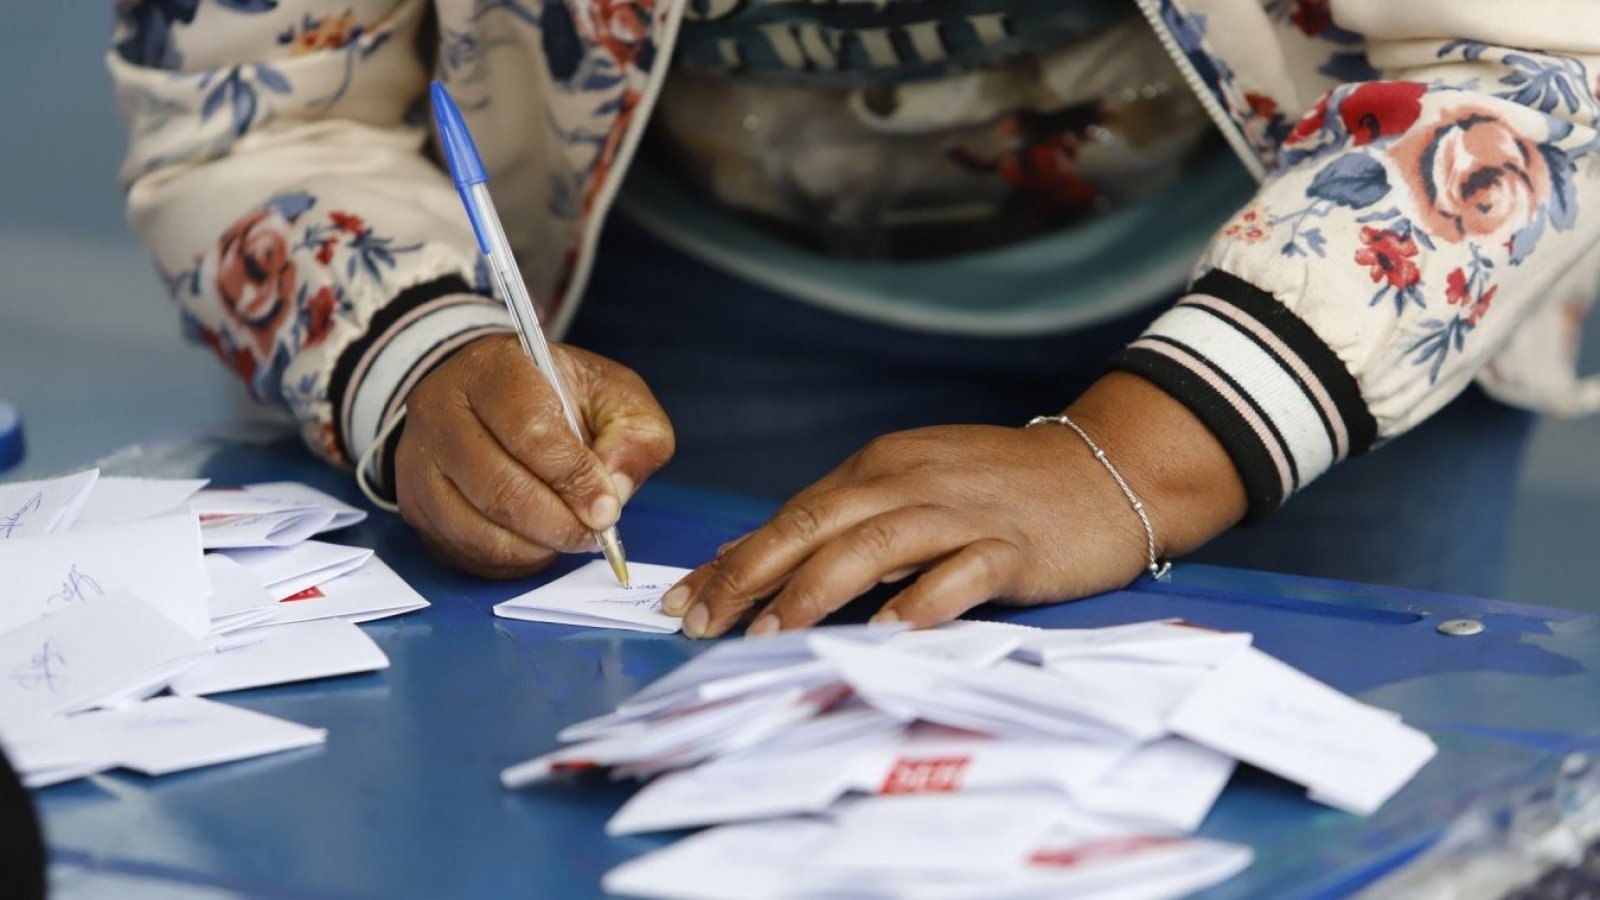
x: 460, y: 153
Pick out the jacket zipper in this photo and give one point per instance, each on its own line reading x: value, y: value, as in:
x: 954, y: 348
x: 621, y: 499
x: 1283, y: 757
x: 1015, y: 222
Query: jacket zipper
x: 1197, y: 85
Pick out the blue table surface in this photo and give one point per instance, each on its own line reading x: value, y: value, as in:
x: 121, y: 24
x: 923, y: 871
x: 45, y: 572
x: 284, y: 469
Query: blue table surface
x: 404, y: 799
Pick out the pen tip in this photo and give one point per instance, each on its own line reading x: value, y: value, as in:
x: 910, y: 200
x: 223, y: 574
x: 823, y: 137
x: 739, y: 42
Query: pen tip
x: 611, y: 546
x: 619, y: 568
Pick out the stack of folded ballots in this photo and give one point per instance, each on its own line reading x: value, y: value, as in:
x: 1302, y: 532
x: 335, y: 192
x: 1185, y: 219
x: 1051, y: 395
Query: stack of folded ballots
x: 973, y: 760
x: 125, y: 600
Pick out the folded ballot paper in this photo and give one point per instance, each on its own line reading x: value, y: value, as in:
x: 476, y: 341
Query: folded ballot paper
x: 116, y: 620
x: 29, y: 508
x: 972, y: 760
x: 279, y: 514
x: 590, y: 596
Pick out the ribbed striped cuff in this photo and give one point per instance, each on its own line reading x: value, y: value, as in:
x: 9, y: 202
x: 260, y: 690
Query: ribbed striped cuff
x: 418, y: 330
x: 1284, y: 406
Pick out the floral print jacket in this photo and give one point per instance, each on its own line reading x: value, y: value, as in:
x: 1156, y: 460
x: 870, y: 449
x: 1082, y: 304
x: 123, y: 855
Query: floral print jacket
x: 1428, y: 212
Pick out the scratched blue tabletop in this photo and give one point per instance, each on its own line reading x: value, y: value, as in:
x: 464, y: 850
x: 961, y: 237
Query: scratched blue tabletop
x: 404, y: 801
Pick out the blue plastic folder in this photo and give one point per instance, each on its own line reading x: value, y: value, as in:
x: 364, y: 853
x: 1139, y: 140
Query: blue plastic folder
x: 404, y: 801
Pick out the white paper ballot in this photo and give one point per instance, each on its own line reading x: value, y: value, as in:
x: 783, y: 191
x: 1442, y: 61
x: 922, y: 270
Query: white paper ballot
x: 736, y: 862
x: 250, y: 618
x: 748, y: 788
x: 1009, y: 696
x: 148, y: 685
x: 370, y: 592
x: 170, y: 734
x: 88, y: 651
x: 1269, y: 714
x: 590, y: 596
x: 32, y: 508
x: 280, y: 654
x: 683, y: 738
x: 1167, y: 786
x: 117, y: 500
x: 56, y: 751
x: 985, y: 830
x: 294, y: 495
x: 41, y: 778
x: 1127, y: 867
x: 1170, y: 641
x: 772, y: 859
x: 725, y: 661
x: 968, y: 761
x: 978, y: 647
x: 159, y: 560
x: 276, y: 514
x: 234, y: 591
x: 236, y: 531
x: 286, y: 571
x: 932, y: 759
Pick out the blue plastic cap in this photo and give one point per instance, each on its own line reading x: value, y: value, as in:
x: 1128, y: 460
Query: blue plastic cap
x: 11, y: 447
x: 460, y: 153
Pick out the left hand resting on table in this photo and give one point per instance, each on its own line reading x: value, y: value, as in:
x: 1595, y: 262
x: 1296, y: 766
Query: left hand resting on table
x: 1022, y: 516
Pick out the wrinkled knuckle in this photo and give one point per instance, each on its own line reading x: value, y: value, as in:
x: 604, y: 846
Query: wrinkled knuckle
x: 724, y: 580
x: 572, y: 471
x: 507, y: 498
x: 806, y: 602
x: 799, y: 522
x: 993, y: 559
x: 536, y: 433
x: 874, y: 541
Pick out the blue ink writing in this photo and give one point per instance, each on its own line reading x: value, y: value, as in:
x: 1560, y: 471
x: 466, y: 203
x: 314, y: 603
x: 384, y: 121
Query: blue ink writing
x: 16, y: 520
x: 78, y: 586
x: 640, y: 596
x: 44, y: 670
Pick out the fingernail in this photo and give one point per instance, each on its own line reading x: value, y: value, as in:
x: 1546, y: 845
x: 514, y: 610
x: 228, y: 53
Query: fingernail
x: 885, y: 617
x: 767, y: 624
x: 673, y: 602
x: 694, y: 624
x: 624, y: 487
x: 603, y: 512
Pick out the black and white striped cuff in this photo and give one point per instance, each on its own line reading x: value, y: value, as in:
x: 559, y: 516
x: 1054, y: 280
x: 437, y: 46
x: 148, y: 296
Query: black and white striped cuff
x: 1284, y: 406
x: 415, y: 332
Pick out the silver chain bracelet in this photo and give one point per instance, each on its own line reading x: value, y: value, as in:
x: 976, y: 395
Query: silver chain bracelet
x: 1159, y: 568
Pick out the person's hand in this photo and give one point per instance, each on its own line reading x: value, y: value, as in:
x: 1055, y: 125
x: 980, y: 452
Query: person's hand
x: 1023, y: 516
x: 490, y: 473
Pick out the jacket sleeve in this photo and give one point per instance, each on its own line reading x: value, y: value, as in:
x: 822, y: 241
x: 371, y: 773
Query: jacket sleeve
x: 276, y: 172
x: 1413, y: 224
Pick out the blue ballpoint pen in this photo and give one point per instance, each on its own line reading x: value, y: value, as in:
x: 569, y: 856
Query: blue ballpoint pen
x: 472, y: 182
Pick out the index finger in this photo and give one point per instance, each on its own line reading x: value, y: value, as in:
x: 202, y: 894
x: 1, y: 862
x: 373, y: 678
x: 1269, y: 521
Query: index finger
x: 526, y: 418
x: 716, y: 594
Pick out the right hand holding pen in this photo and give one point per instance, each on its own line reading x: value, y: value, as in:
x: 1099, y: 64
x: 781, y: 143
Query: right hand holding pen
x: 491, y: 475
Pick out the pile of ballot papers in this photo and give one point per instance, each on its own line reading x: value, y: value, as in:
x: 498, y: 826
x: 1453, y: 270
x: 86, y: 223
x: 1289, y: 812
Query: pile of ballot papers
x: 126, y: 601
x: 973, y: 760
